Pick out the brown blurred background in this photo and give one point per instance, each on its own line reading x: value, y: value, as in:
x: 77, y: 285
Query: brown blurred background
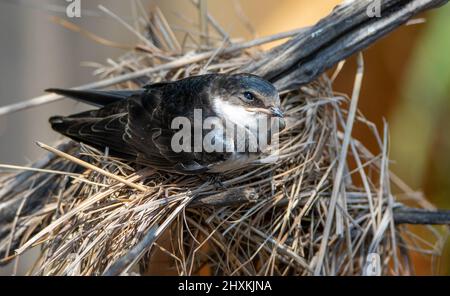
x: 407, y: 76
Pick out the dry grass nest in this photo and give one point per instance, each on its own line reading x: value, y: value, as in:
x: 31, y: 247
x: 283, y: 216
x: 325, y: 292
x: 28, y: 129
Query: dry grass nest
x: 323, y: 207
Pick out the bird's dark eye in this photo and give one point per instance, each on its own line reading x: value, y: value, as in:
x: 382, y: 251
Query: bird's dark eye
x: 249, y: 96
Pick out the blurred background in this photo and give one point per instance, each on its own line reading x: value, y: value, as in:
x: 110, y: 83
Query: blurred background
x: 407, y: 77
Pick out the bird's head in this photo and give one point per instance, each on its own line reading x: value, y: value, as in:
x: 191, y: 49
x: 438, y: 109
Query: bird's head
x: 243, y: 95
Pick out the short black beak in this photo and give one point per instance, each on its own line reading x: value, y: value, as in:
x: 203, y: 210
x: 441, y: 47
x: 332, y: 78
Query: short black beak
x: 276, y: 112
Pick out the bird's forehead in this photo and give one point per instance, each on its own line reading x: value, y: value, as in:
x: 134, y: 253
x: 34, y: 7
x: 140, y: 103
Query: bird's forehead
x: 253, y: 83
x: 259, y: 84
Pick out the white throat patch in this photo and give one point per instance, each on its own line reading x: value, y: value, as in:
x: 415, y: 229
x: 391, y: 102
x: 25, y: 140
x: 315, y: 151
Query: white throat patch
x: 237, y: 115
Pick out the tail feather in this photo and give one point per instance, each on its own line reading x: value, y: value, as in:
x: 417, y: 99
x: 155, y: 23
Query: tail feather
x: 98, y: 98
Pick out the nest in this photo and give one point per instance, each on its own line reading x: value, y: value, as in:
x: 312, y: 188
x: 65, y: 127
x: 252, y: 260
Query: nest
x: 324, y: 207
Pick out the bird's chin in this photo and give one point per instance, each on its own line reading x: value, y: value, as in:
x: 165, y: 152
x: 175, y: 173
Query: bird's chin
x: 231, y: 112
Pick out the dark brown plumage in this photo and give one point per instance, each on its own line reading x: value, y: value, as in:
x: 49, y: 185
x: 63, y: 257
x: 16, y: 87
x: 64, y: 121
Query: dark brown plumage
x: 136, y: 124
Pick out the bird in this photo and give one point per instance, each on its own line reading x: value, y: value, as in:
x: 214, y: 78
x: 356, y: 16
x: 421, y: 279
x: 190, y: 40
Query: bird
x: 137, y: 125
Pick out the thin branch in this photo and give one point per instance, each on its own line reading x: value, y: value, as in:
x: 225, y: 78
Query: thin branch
x: 227, y: 198
x: 213, y: 22
x: 405, y: 215
x: 22, y: 177
x: 130, y: 28
x: 203, y: 21
x: 77, y: 29
x: 24, y: 168
x: 92, y: 167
